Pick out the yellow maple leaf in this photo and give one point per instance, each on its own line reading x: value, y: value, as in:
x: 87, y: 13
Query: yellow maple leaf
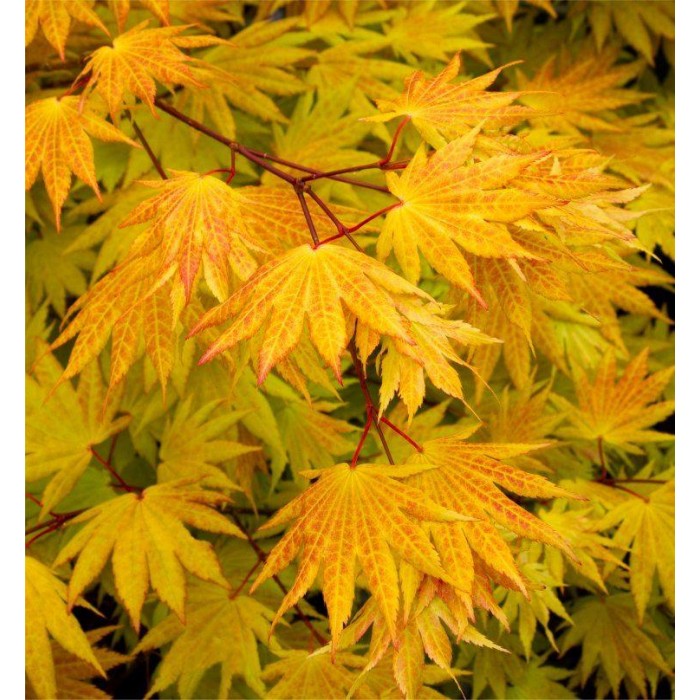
x: 442, y: 111
x: 302, y: 676
x: 349, y: 513
x: 145, y: 535
x: 63, y: 424
x: 466, y: 480
x: 614, y: 644
x: 46, y: 613
x: 194, y: 441
x: 73, y: 674
x: 314, y: 284
x: 222, y: 629
x: 580, y: 94
x: 647, y: 527
x: 135, y: 61
x: 243, y: 72
x: 196, y: 220
x: 57, y: 144
x: 405, y: 366
x: 55, y: 19
x: 446, y: 206
x: 435, y: 30
x: 618, y: 412
x: 311, y: 436
x: 638, y: 23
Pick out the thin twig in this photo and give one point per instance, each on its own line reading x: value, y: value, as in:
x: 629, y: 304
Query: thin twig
x: 112, y: 471
x: 147, y: 148
x: 369, y: 403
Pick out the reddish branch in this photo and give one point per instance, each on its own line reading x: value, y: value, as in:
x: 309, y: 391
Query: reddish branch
x: 107, y: 465
x: 370, y: 408
x: 300, y: 184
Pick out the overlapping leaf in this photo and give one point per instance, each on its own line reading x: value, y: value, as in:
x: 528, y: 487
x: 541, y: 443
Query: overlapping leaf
x: 442, y: 111
x: 63, y: 423
x: 57, y: 144
x: 350, y: 513
x: 46, y: 614
x: 144, y: 534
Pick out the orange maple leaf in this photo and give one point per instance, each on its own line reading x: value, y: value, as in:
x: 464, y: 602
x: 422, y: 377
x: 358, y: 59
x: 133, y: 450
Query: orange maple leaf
x: 57, y: 143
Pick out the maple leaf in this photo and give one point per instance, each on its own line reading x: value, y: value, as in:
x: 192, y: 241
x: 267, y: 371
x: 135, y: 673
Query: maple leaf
x: 347, y: 62
x: 441, y: 111
x: 647, y: 527
x: 63, y: 424
x: 46, y: 613
x: 618, y: 412
x: 466, y: 481
x: 223, y: 628
x: 242, y: 71
x: 323, y: 132
x: 581, y: 528
x: 302, y: 676
x: 578, y: 94
x: 193, y: 442
x: 405, y: 366
x: 613, y: 643
x: 196, y: 221
x: 55, y: 19
x: 73, y: 673
x: 135, y: 61
x: 310, y: 283
x: 361, y: 512
x: 147, y: 541
x: 638, y: 25
x: 57, y: 143
x: 444, y: 203
x: 311, y: 436
x: 422, y: 632
x: 54, y: 271
x: 434, y: 30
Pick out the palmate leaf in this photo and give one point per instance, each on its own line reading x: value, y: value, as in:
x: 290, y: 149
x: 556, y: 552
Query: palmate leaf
x: 73, y: 674
x: 299, y: 675
x: 314, y: 284
x: 422, y: 632
x: 580, y: 94
x: 647, y: 527
x: 145, y: 536
x: 159, y: 8
x: 442, y: 111
x: 613, y: 644
x: 222, y: 628
x: 57, y: 144
x: 618, y: 412
x: 639, y: 24
x: 404, y: 367
x: 243, y: 72
x: 446, y: 206
x: 312, y: 436
x: 46, y: 614
x: 194, y: 442
x: 196, y: 221
x: 349, y: 513
x: 466, y: 480
x: 63, y: 423
x: 55, y: 20
x: 435, y: 30
x: 135, y: 61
